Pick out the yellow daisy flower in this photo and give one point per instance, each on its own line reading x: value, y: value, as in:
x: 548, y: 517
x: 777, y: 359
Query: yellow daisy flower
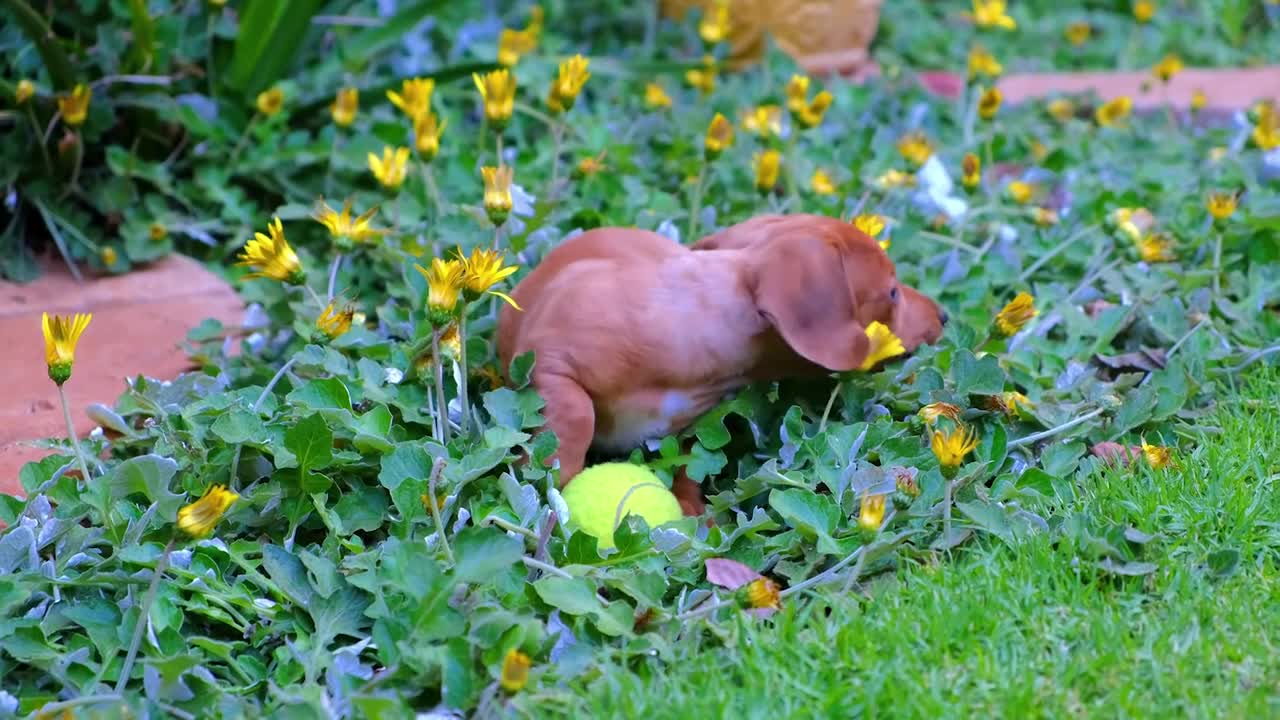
x: 568, y: 83
x: 444, y: 285
x: 951, y: 447
x: 414, y: 97
x: 75, y: 106
x: 345, y: 105
x: 391, y: 168
x: 1016, y: 313
x: 61, y: 334
x: 481, y: 271
x: 200, y: 517
x: 426, y: 135
x: 271, y: 101
x: 655, y: 96
x: 871, y: 514
x: 498, y: 91
x: 884, y: 345
x: 497, y: 192
x: 272, y: 257
x: 821, y: 183
x: 719, y: 136
x: 1113, y: 112
x: 342, y: 228
x: 766, y: 166
x: 515, y: 671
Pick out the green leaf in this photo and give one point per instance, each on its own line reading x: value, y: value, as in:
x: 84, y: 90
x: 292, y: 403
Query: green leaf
x: 269, y: 37
x: 1135, y: 411
x: 976, y: 376
x: 483, y: 553
x: 239, y: 426
x: 576, y: 596
x: 322, y: 574
x: 372, y: 430
x: 288, y: 573
x: 328, y: 396
x: 522, y: 370
x: 359, y: 49
x: 361, y: 509
x: 147, y: 475
x: 1223, y: 563
x: 311, y: 442
x: 47, y: 43
x: 810, y: 513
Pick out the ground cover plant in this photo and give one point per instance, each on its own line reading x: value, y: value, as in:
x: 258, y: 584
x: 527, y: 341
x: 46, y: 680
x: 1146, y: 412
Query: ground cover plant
x: 331, y: 519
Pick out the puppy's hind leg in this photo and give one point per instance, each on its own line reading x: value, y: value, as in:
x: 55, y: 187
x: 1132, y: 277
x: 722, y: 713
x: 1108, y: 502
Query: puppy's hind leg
x: 571, y: 415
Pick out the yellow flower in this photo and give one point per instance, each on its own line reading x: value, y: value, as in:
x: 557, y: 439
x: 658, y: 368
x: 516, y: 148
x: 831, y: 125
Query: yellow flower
x: 970, y: 171
x: 1266, y: 129
x: 991, y: 13
x: 497, y: 192
x: 498, y: 90
x: 1198, y: 100
x: 766, y: 165
x: 344, y: 107
x: 1133, y: 222
x: 109, y: 256
x: 270, y: 101
x: 1168, y: 66
x: 1017, y: 402
x: 1216, y: 154
x: 871, y: 514
x: 715, y: 23
x: 1061, y: 109
x: 1038, y: 150
x: 450, y: 349
x: 1016, y: 313
x: 1044, y: 217
x: 655, y: 96
x: 157, y: 232
x: 566, y: 86
x: 764, y: 120
x: 821, y: 183
x: 982, y: 62
x: 870, y: 224
x: 514, y: 43
x: 335, y: 320
x: 1144, y: 10
x: 762, y: 593
x: 60, y: 337
x: 884, y: 345
x: 1077, y: 33
x: 391, y: 168
x: 915, y: 148
x: 481, y: 272
x: 1221, y: 205
x: 23, y: 91
x: 271, y: 257
x: 1020, y: 191
x: 931, y: 412
x: 414, y: 97
x: 989, y: 103
x: 342, y: 228
x: 950, y: 448
x: 426, y: 135
x: 719, y: 136
x: 591, y: 165
x: 1157, y: 456
x: 200, y: 517
x: 797, y: 93
x: 704, y: 78
x: 811, y: 115
x: 444, y: 284
x: 75, y: 107
x: 1156, y: 247
x: 895, y: 178
x: 1113, y: 112
x: 515, y: 670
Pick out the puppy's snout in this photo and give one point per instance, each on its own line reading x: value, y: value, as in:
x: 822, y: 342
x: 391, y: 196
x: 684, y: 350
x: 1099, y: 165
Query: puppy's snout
x: 943, y: 317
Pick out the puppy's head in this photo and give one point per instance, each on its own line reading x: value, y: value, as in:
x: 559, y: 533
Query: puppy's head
x: 820, y: 282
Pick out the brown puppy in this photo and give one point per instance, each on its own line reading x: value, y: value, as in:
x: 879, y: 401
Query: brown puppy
x: 635, y: 336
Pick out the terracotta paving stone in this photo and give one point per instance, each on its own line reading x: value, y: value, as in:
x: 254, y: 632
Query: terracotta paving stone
x: 1225, y: 89
x: 139, y: 320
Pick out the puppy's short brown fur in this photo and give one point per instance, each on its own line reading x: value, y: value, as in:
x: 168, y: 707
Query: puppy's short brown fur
x: 635, y: 335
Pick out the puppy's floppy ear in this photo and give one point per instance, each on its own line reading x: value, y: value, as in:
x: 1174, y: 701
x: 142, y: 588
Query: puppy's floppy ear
x: 802, y: 288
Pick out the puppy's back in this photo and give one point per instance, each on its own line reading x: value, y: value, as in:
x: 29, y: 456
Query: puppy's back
x: 628, y: 246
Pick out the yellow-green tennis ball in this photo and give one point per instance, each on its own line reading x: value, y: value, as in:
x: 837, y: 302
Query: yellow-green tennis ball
x: 595, y: 494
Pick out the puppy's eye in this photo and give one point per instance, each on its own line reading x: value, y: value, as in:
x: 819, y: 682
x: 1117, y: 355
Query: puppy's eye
x: 893, y: 294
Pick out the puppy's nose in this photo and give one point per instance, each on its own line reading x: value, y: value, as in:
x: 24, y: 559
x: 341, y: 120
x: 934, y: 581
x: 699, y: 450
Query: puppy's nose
x: 943, y: 317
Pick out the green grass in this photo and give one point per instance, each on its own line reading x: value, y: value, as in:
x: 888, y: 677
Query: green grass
x: 1034, y: 630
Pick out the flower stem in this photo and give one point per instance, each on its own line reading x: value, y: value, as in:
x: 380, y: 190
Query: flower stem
x: 557, y: 137
x: 1217, y: 263
x: 51, y: 709
x: 333, y: 275
x: 271, y: 385
x: 499, y: 136
x: 442, y: 406
x: 75, y: 170
x: 244, y: 136
x: 44, y: 151
x: 695, y: 207
x: 1036, y: 437
x: 71, y: 434
x: 463, y: 400
x: 435, y: 510
x: 545, y: 567
x: 946, y: 508
x: 433, y: 190
x: 145, y: 610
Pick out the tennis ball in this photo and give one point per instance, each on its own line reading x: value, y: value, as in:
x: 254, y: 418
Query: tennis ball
x: 600, y: 496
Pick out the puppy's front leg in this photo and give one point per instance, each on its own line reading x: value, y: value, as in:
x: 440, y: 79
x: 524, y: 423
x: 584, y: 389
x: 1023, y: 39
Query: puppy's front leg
x: 571, y: 415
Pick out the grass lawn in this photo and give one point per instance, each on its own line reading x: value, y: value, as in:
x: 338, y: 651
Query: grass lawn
x: 1034, y: 630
